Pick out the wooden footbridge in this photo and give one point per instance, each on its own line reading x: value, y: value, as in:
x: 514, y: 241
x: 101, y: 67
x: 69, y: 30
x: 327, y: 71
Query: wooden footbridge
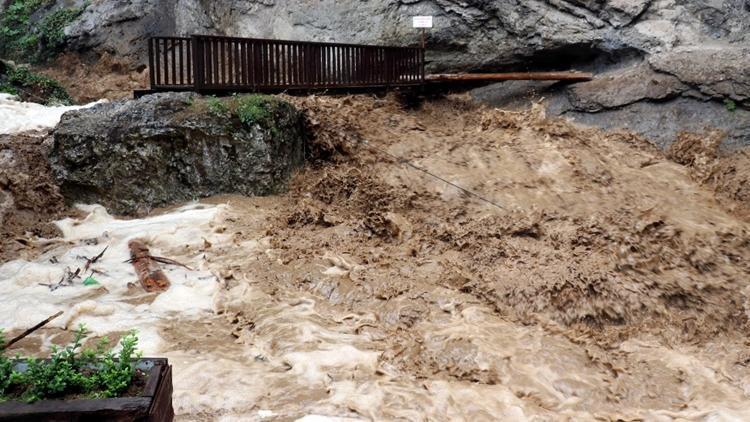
x: 219, y: 65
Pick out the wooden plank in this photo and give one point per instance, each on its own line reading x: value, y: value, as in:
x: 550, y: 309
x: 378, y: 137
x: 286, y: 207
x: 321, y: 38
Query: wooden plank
x: 230, y: 62
x: 208, y: 46
x: 158, y: 61
x: 257, y: 64
x: 189, y: 58
x: 266, y: 53
x: 172, y: 44
x: 151, y: 70
x: 182, y: 62
x: 347, y: 65
x: 128, y: 408
x: 295, y: 57
x: 422, y: 63
x: 247, y: 59
x: 512, y: 76
x: 238, y: 63
x: 285, y: 65
x: 223, y: 61
x: 326, y: 65
x: 161, y: 406
x: 274, y: 64
x: 152, y: 383
x: 216, y: 54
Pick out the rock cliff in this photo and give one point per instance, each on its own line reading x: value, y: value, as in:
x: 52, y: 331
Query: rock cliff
x: 678, y: 56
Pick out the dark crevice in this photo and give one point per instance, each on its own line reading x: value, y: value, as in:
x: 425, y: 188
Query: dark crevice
x: 583, y: 56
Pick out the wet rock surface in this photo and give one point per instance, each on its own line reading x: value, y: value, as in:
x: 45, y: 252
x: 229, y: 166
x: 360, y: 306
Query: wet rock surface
x: 643, y: 51
x: 132, y: 156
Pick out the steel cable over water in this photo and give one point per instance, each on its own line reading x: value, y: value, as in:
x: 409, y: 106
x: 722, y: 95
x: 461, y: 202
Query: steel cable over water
x: 408, y: 163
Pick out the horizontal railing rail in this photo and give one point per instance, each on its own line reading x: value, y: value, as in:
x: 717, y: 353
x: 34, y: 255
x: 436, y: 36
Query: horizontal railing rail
x: 218, y: 63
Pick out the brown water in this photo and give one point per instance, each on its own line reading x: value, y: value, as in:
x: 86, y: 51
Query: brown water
x: 610, y: 285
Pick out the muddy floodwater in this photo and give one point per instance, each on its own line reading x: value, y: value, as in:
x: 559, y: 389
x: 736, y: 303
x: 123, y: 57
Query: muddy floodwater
x: 595, y: 278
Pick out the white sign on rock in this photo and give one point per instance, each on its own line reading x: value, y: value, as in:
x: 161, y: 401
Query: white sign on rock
x: 422, y: 21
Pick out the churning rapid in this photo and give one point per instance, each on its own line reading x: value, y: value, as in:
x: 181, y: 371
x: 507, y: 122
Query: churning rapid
x: 597, y: 279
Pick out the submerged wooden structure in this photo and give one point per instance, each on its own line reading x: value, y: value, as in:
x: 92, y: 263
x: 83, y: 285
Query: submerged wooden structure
x: 210, y: 64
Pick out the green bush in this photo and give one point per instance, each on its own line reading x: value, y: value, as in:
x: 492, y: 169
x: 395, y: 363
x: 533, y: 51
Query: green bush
x: 33, y: 86
x: 93, y: 373
x: 217, y: 107
x: 22, y: 39
x: 6, y: 367
x: 255, y: 109
x: 51, y: 29
x: 730, y: 105
x: 15, y: 37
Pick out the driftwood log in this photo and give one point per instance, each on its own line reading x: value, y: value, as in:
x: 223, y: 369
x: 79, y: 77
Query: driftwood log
x: 515, y: 76
x: 150, y: 275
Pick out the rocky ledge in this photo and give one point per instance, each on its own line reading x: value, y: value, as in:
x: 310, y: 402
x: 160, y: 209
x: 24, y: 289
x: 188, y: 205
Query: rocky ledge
x: 131, y: 156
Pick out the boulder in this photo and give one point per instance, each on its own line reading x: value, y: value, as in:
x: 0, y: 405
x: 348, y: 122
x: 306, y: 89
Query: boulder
x: 719, y: 72
x: 134, y: 155
x: 662, y: 123
x: 622, y: 87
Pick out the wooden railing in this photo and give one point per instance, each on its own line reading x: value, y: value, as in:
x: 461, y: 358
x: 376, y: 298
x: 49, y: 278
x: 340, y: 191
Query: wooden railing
x: 170, y: 61
x: 215, y: 63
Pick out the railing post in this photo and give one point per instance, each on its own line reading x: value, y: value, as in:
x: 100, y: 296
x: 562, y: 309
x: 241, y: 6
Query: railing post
x: 422, y: 64
x: 151, y: 69
x: 199, y: 64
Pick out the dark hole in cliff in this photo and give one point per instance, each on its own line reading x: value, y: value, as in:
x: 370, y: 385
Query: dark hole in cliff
x: 576, y: 57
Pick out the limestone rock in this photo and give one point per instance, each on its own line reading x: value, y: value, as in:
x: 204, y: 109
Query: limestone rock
x: 716, y: 71
x: 167, y: 148
x: 623, y: 87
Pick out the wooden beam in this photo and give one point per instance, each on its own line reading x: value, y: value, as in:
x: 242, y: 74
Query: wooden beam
x: 514, y: 76
x: 151, y: 277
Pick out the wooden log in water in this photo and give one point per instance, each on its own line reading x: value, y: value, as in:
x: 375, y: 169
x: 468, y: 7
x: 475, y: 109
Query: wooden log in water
x: 150, y: 275
x: 513, y: 76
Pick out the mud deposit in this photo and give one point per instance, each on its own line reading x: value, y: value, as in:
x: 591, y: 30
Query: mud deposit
x: 609, y: 284
x: 29, y: 197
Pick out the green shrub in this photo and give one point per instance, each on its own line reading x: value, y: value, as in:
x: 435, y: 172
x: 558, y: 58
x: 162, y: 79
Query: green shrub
x: 22, y: 39
x: 730, y: 105
x: 217, y: 107
x: 8, y: 89
x: 255, y: 109
x: 33, y: 86
x: 6, y: 367
x: 93, y: 373
x: 15, y: 36
x: 51, y: 30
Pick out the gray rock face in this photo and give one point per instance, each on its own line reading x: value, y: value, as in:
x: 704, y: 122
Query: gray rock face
x: 167, y: 148
x: 650, y: 51
x: 623, y: 87
x: 662, y: 122
x: 716, y: 72
x: 468, y: 35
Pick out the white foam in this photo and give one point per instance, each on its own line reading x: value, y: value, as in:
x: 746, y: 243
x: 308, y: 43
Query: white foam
x: 17, y: 116
x: 112, y: 306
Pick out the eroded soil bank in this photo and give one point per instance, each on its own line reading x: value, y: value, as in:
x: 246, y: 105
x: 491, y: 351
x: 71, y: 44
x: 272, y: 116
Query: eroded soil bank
x: 606, y: 282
